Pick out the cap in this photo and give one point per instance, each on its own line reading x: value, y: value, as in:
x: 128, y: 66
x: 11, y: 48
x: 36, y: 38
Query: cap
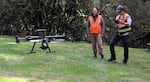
x: 119, y: 8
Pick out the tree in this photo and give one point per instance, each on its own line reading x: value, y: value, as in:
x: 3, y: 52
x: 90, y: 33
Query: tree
x: 70, y: 16
x: 56, y: 16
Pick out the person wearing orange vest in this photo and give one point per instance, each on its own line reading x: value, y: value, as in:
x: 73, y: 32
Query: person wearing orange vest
x: 95, y: 29
x: 123, y: 22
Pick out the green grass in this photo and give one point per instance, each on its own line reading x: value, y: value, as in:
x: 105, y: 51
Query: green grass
x: 72, y: 62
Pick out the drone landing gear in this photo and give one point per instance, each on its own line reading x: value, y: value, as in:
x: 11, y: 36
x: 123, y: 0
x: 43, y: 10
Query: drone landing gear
x: 44, y: 46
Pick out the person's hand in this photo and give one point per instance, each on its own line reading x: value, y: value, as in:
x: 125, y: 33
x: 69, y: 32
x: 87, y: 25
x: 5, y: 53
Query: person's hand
x: 102, y: 34
x: 88, y: 35
x: 122, y: 22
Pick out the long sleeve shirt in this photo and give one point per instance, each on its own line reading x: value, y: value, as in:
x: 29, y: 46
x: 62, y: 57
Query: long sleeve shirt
x: 129, y: 20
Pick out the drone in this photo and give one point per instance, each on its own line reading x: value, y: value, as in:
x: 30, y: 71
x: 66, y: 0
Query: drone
x: 41, y: 37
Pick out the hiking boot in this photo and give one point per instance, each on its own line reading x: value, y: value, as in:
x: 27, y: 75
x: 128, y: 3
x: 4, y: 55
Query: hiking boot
x: 111, y: 60
x: 95, y: 56
x: 102, y: 56
x: 124, y: 61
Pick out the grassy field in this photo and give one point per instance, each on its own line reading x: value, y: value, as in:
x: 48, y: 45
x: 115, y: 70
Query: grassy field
x: 72, y: 62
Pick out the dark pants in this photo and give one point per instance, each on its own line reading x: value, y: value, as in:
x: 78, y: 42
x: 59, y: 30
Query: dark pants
x: 114, y: 41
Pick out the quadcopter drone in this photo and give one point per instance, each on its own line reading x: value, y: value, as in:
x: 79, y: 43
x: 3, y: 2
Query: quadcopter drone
x: 40, y: 38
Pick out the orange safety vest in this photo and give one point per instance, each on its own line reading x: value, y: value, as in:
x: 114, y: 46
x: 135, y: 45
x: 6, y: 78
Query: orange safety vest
x: 122, y: 28
x: 95, y: 26
x: 122, y: 19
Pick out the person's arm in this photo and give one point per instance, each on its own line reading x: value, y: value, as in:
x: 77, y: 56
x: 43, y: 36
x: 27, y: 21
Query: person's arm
x: 129, y: 21
x: 117, y: 19
x: 87, y: 30
x: 87, y: 27
x: 103, y: 26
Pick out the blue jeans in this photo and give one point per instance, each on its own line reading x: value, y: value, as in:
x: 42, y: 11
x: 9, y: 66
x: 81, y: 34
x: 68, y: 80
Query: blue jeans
x: 116, y: 38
